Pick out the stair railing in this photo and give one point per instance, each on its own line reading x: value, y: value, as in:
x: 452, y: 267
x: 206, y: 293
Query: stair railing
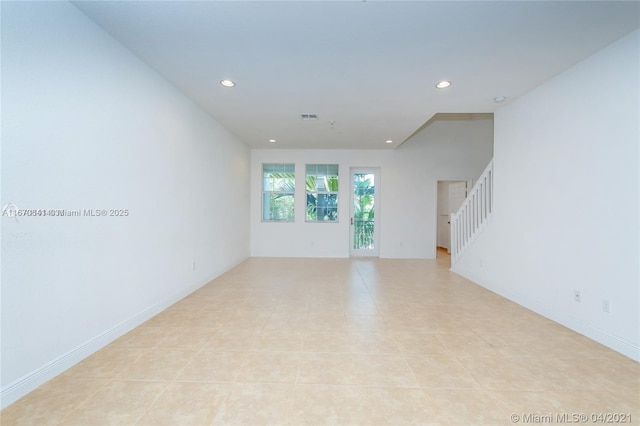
x: 473, y: 215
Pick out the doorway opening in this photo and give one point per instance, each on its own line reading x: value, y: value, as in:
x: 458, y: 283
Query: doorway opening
x: 451, y: 195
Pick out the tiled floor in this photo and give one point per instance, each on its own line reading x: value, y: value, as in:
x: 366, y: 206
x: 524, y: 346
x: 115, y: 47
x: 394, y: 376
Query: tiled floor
x: 339, y: 341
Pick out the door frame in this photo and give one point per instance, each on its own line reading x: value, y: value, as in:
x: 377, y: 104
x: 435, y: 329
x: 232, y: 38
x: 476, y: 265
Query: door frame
x: 375, y: 252
x: 437, y: 206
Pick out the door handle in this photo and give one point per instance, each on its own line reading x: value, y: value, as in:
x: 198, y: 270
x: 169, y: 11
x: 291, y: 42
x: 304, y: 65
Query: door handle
x: 352, y: 221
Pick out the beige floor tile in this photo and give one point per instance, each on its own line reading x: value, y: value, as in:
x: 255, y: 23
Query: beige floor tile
x: 463, y: 407
x: 191, y: 303
x: 118, y: 403
x: 584, y: 346
x: 172, y: 318
x: 437, y: 372
x: 504, y: 373
x: 467, y: 345
x: 374, y: 343
x: 402, y: 319
x: 158, y: 364
x: 189, y: 338
x: 321, y: 305
x: 279, y: 341
x: 217, y: 367
x: 286, y: 321
x: 420, y: 344
x: 107, y: 363
x: 269, y: 367
x: 338, y: 341
x: 293, y: 305
x: 394, y: 406
x: 390, y: 302
x: 366, y: 323
x: 445, y: 325
x: 360, y: 306
x: 600, y: 402
x: 327, y: 341
x: 256, y: 404
x: 384, y: 371
x: 243, y: 322
x: 562, y: 405
x: 186, y: 404
x: 210, y: 318
x: 525, y: 373
x: 143, y: 337
x: 326, y: 405
x: 525, y: 403
x: 596, y: 373
x: 232, y: 340
x: 50, y: 403
x: 527, y: 345
x: 331, y: 369
x: 326, y: 321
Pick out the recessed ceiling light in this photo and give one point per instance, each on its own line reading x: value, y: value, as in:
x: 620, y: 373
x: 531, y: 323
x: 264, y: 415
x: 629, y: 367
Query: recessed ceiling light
x: 388, y: 141
x: 443, y: 84
x: 272, y: 140
x: 499, y: 99
x: 227, y: 83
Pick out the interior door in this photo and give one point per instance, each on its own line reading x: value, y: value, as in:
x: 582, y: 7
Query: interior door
x: 457, y: 192
x: 365, y: 208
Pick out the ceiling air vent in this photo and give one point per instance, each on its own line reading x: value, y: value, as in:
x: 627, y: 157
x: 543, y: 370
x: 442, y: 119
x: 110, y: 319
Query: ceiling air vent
x: 309, y: 117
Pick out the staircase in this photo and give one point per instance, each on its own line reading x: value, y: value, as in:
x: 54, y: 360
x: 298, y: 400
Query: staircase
x: 473, y: 215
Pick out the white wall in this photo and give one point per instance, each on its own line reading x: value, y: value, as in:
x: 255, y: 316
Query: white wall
x: 566, y: 200
x: 86, y: 125
x: 446, y: 149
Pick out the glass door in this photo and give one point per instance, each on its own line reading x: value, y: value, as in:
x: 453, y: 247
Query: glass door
x: 365, y: 203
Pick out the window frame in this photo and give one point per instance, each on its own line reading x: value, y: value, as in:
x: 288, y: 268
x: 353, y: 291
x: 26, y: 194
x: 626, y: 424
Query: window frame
x: 291, y: 192
x: 328, y: 174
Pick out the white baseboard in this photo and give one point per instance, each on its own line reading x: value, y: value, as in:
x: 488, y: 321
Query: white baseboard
x: 27, y: 383
x: 622, y: 346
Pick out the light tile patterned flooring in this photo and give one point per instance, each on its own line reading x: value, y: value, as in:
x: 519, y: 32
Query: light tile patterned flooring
x: 339, y: 341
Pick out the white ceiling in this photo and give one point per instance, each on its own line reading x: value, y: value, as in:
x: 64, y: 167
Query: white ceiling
x: 370, y: 67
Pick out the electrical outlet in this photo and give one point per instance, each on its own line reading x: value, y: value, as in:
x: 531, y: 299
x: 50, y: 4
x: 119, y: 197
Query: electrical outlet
x: 606, y: 306
x: 577, y: 296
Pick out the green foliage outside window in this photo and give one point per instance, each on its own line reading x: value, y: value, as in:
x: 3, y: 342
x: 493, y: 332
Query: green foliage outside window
x: 322, y: 192
x: 363, y: 211
x: 278, y: 189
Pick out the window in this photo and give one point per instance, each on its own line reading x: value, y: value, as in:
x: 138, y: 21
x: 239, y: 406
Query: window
x: 278, y: 187
x: 322, y: 193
